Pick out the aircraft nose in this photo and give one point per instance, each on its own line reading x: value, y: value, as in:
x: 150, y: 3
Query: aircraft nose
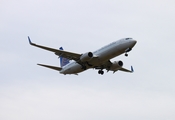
x: 134, y: 42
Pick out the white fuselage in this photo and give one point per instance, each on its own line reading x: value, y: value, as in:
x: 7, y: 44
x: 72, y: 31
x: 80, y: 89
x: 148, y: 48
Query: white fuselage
x: 104, y: 54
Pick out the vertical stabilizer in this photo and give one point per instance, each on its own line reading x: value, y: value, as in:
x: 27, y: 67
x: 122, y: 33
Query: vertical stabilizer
x: 63, y: 61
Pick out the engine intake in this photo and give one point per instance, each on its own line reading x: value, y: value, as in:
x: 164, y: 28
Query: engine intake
x: 120, y: 63
x: 86, y: 56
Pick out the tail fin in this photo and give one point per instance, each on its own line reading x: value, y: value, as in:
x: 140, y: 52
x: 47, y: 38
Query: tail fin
x: 63, y: 61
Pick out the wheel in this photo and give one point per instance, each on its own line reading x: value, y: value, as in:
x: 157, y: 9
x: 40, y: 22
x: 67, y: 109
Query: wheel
x: 101, y: 72
x: 126, y: 54
x: 84, y: 67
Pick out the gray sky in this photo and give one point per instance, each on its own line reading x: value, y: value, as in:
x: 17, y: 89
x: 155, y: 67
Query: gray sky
x: 28, y: 91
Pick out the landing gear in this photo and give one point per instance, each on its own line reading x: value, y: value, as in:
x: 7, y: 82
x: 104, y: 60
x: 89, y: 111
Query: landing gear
x: 84, y: 67
x: 101, y: 72
x: 126, y: 51
x: 126, y: 54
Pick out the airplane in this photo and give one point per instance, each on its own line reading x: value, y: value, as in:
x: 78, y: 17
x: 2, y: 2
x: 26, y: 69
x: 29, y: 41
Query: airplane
x: 74, y: 63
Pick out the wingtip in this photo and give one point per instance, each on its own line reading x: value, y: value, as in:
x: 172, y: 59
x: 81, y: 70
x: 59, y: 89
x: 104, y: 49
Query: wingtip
x: 132, y: 69
x: 40, y: 64
x: 29, y: 40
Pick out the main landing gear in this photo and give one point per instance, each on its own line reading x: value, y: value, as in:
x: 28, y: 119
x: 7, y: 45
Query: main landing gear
x: 126, y: 54
x: 101, y: 72
x: 84, y: 67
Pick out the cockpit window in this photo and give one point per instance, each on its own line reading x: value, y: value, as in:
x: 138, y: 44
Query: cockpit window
x: 128, y: 38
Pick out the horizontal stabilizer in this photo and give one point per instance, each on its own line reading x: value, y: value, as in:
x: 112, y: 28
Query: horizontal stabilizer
x: 51, y: 67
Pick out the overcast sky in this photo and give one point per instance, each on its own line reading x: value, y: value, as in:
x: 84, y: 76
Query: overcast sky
x: 31, y: 92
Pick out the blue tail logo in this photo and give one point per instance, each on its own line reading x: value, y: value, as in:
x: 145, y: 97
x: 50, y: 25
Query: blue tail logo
x: 63, y: 61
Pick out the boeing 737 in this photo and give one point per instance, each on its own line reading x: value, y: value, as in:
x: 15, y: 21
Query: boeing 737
x: 74, y: 63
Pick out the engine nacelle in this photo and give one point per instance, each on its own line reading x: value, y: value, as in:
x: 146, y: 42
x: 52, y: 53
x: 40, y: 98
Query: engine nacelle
x: 116, y: 65
x: 86, y: 56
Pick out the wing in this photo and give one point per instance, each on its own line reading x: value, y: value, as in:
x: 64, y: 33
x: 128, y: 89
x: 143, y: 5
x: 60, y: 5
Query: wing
x: 126, y: 70
x: 65, y: 54
x: 107, y: 65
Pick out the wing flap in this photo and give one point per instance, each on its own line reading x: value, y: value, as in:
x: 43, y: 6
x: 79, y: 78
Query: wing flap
x: 51, y: 67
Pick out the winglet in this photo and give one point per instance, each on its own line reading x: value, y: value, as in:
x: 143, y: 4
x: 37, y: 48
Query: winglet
x: 29, y: 40
x: 132, y: 70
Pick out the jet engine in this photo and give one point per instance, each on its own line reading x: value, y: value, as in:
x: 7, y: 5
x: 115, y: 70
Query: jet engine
x: 86, y: 56
x: 116, y: 65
